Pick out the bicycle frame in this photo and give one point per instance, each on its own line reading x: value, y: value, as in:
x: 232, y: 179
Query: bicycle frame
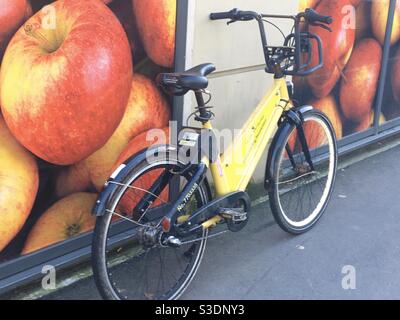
x: 234, y: 169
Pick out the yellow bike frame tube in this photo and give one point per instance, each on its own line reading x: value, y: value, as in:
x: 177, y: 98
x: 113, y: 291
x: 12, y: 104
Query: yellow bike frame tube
x: 233, y: 171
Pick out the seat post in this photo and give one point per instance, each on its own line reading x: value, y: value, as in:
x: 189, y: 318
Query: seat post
x: 204, y: 115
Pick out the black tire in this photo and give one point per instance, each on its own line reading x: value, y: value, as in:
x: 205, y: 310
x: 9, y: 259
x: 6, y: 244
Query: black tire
x: 294, y: 182
x: 105, y: 268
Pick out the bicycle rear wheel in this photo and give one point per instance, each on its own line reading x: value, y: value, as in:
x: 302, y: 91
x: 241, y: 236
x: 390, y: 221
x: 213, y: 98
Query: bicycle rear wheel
x: 301, y: 191
x: 130, y: 259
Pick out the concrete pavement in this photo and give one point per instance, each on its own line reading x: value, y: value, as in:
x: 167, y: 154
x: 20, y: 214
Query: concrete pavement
x: 360, y: 229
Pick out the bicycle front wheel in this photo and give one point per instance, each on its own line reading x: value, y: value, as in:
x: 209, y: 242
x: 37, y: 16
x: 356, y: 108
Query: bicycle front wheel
x: 302, y: 187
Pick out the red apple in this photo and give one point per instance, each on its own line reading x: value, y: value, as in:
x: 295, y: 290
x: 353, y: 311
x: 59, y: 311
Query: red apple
x: 156, y: 21
x: 64, y: 90
x: 360, y: 81
x: 19, y: 181
x: 132, y: 196
x: 13, y: 13
x: 355, y: 3
x: 337, y: 46
x: 147, y: 109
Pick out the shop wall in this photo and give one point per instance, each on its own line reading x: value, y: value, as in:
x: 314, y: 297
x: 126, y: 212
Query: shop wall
x: 240, y: 81
x: 76, y: 88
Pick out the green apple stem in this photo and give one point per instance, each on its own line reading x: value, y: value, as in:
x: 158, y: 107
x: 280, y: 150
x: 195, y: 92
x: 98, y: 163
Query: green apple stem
x: 44, y: 42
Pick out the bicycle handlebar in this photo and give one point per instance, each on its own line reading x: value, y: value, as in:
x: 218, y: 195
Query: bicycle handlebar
x: 310, y: 16
x: 234, y: 15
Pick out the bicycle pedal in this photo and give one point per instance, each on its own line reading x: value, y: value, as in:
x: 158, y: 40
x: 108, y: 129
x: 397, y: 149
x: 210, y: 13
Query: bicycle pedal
x: 173, y: 242
x: 234, y: 214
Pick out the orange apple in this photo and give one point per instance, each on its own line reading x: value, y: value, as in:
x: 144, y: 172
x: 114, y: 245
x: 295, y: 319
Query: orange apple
x: 367, y: 122
x: 379, y: 16
x: 64, y: 90
x: 360, y: 81
x: 147, y: 109
x: 19, y: 181
x: 314, y: 134
x: 337, y: 46
x: 330, y: 108
x: 65, y: 219
x: 156, y: 21
x: 13, y: 13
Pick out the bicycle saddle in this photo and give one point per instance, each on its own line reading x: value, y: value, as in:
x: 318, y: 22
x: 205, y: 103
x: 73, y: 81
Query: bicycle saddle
x: 181, y: 83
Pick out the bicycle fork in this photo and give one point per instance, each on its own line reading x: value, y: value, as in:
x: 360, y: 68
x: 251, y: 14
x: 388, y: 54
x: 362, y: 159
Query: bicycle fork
x: 296, y: 120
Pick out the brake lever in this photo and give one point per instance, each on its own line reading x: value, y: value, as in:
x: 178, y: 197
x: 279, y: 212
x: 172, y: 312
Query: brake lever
x: 323, y: 26
x: 231, y: 21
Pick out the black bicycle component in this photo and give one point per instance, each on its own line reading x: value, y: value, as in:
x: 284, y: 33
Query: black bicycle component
x: 313, y: 16
x: 237, y: 217
x: 304, y: 145
x: 286, y: 60
x: 113, y: 184
x: 213, y: 208
x: 301, y: 171
x: 234, y: 15
x: 289, y: 151
x: 133, y: 258
x: 186, y: 194
x: 179, y: 84
x: 154, y: 191
x: 289, y: 120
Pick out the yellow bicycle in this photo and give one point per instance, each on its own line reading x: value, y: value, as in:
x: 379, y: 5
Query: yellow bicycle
x: 157, y: 210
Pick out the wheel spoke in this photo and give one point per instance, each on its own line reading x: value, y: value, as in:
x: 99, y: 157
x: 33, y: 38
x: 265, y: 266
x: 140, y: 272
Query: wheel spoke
x: 159, y: 272
x: 301, y: 195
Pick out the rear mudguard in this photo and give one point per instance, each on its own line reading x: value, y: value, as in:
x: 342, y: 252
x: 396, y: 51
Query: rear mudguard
x: 120, y: 173
x: 124, y: 169
x: 289, y: 120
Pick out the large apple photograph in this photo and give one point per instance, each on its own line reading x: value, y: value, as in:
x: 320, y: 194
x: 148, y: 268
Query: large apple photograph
x: 347, y: 85
x: 77, y: 97
x: 391, y: 102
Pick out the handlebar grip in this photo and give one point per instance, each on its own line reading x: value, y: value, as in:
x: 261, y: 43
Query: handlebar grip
x: 221, y: 15
x: 313, y: 16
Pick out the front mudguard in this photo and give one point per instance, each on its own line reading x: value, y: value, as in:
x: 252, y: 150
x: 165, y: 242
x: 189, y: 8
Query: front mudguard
x: 289, y: 120
x: 121, y: 172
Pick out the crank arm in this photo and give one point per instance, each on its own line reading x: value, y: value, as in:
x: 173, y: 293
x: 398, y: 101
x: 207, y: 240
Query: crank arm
x: 202, y: 216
